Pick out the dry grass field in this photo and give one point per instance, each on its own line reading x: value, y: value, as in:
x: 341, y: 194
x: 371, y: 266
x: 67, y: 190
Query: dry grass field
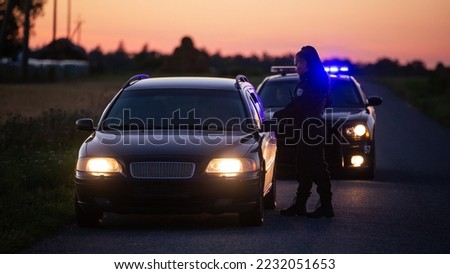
x: 31, y: 100
x: 89, y: 96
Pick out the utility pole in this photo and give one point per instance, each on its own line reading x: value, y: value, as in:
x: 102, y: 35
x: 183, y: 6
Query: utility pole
x: 26, y: 37
x: 54, y: 19
x: 8, y: 12
x: 69, y: 13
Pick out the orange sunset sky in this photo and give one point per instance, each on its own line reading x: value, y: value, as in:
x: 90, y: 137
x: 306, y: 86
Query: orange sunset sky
x: 361, y: 30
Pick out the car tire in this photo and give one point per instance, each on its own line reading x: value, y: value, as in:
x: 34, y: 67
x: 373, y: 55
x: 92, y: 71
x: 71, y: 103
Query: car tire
x: 270, y: 200
x: 254, y: 216
x: 87, y: 218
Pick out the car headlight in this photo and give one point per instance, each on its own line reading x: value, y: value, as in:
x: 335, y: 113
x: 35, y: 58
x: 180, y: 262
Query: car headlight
x: 357, y: 160
x: 99, y: 166
x: 229, y: 167
x: 357, y: 131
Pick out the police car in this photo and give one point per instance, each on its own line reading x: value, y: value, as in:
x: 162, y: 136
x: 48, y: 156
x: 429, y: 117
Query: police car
x: 350, y: 122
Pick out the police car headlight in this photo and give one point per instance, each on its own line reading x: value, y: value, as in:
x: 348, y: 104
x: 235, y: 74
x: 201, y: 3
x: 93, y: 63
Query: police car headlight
x: 357, y: 131
x: 357, y: 160
x: 230, y: 167
x: 99, y: 166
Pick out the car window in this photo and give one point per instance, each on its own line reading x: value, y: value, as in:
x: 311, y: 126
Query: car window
x: 175, y: 109
x: 278, y: 93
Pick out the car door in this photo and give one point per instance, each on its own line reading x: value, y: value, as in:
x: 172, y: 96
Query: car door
x: 267, y: 140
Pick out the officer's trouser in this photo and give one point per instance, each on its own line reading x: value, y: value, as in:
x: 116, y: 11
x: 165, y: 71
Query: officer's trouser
x: 311, y: 164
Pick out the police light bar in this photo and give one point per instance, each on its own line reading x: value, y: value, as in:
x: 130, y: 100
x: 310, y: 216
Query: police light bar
x: 336, y: 69
x: 283, y: 69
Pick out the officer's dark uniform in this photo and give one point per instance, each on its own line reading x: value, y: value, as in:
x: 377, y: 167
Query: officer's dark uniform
x: 311, y: 97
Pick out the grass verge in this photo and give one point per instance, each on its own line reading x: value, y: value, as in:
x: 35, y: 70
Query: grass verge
x: 36, y: 190
x: 423, y: 94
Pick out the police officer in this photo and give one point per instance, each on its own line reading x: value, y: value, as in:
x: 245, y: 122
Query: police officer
x: 311, y: 97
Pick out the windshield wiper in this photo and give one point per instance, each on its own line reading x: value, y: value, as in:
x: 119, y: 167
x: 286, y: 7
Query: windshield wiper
x: 211, y: 127
x: 133, y: 127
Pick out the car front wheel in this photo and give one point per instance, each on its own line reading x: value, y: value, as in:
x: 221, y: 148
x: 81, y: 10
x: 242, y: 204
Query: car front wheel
x: 254, y: 216
x: 87, y: 218
x: 270, y: 201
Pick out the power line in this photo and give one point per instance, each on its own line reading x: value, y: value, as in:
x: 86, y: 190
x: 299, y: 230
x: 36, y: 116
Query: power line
x: 77, y: 31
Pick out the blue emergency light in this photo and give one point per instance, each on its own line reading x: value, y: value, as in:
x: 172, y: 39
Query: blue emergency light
x: 283, y: 70
x: 336, y: 69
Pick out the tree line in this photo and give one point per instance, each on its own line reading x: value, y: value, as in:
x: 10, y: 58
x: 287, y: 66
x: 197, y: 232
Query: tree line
x: 187, y: 59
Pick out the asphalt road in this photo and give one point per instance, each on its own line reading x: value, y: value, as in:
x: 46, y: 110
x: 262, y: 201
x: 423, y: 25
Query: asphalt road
x: 405, y: 209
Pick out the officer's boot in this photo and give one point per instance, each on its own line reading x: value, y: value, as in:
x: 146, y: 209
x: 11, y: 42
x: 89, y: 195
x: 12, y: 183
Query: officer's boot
x: 324, y: 210
x: 298, y: 208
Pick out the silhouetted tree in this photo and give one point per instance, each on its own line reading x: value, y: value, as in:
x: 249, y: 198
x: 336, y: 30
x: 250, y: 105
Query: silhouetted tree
x: 96, y: 60
x: 440, y: 80
x: 12, y: 20
x: 118, y: 60
x: 415, y: 68
x: 141, y: 59
x: 187, y: 59
x: 267, y: 61
x: 383, y: 67
x: 61, y: 49
x: 148, y: 61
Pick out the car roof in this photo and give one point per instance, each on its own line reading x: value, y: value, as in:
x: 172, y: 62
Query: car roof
x: 215, y: 83
x: 295, y: 76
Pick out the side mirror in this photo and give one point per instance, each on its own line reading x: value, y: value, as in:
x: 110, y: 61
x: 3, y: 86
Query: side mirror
x: 374, y: 101
x: 85, y: 124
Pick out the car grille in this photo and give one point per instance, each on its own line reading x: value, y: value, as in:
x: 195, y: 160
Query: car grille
x: 162, y: 170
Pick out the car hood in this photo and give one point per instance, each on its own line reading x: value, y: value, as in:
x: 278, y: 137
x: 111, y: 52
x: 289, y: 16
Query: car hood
x: 345, y: 113
x: 333, y: 115
x: 144, y: 144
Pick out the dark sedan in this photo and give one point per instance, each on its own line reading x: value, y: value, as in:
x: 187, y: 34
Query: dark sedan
x: 350, y: 122
x: 178, y: 145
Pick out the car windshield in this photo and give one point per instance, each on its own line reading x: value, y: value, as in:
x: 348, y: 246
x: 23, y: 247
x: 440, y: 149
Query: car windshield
x: 278, y: 93
x: 175, y: 109
x: 345, y: 94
